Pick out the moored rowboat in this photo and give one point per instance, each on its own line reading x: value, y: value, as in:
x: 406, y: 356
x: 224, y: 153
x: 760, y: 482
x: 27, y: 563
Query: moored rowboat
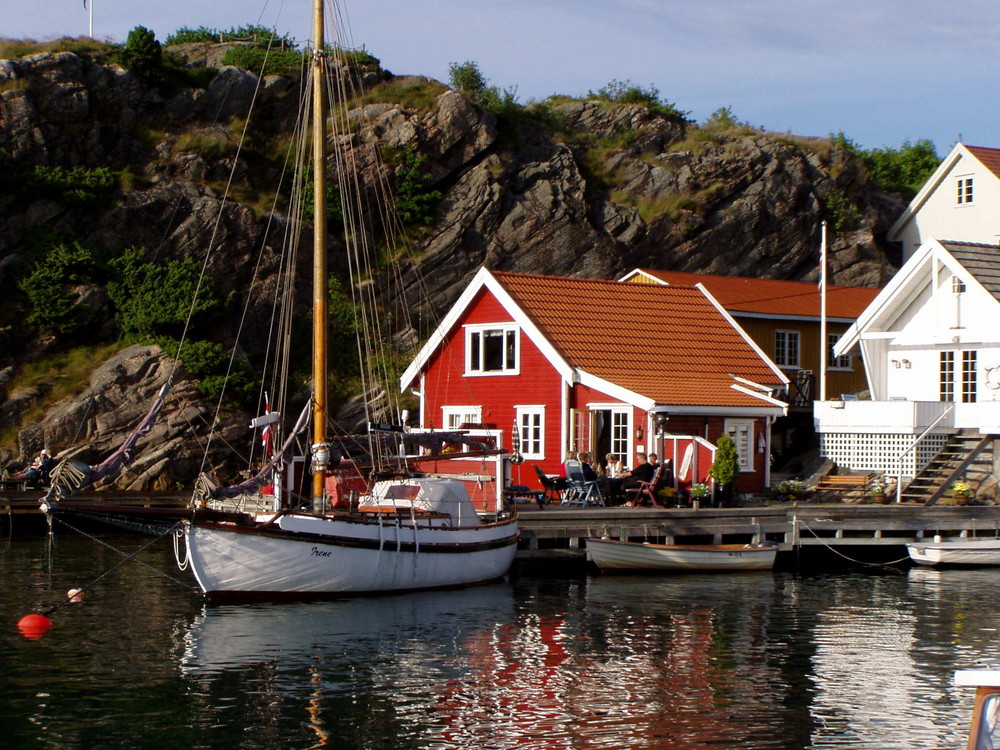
x: 969, y: 552
x: 610, y: 554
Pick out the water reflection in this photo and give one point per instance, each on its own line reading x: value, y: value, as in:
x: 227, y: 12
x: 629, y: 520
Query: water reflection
x: 690, y: 662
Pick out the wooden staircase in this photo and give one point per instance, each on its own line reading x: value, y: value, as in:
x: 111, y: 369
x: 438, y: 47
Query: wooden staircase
x: 968, y: 456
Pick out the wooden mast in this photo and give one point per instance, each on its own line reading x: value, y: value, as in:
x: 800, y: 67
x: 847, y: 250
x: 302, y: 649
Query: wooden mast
x: 320, y: 453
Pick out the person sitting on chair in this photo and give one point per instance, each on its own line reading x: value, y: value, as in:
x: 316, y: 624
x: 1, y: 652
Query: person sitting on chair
x: 644, y: 472
x: 589, y: 475
x: 615, y: 474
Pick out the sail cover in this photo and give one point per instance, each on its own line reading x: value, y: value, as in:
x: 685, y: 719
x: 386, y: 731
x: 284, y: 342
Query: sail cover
x: 205, y: 488
x: 70, y: 477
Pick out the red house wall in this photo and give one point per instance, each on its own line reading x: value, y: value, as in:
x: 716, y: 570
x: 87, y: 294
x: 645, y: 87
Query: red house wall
x: 538, y: 383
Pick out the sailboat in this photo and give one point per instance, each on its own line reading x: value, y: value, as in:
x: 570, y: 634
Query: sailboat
x: 373, y: 522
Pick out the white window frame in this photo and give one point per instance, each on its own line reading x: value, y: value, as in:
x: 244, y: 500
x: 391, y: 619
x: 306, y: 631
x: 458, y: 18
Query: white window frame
x: 454, y: 416
x: 969, y: 392
x: 965, y: 190
x: 621, y: 429
x: 474, y: 334
x: 836, y: 363
x: 531, y: 431
x: 787, y: 337
x: 744, y: 442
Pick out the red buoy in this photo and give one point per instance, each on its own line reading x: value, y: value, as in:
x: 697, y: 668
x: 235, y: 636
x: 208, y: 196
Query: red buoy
x: 34, y: 626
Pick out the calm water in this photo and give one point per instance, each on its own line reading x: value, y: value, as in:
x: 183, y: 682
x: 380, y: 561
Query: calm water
x: 752, y: 661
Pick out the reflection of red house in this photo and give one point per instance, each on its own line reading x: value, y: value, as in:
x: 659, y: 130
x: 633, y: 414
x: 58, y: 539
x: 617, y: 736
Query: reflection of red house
x: 598, y: 366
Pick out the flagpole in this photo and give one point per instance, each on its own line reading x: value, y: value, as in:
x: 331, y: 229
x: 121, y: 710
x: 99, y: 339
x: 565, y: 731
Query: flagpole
x: 824, y: 345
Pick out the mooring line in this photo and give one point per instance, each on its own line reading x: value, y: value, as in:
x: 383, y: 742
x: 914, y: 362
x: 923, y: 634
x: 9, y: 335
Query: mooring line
x: 851, y: 559
x: 127, y: 558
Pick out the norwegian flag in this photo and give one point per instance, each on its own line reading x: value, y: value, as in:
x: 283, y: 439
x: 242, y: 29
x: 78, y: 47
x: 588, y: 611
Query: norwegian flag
x: 265, y: 434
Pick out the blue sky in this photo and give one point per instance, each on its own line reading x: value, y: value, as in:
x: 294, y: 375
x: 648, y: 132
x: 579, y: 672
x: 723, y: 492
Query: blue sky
x: 881, y: 71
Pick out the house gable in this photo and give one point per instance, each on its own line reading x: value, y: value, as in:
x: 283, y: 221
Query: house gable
x: 958, y: 202
x: 934, y: 303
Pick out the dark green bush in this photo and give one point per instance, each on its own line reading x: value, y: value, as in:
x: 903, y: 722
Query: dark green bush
x: 185, y: 35
x: 210, y: 363
x: 467, y: 77
x: 416, y: 200
x: 78, y: 187
x: 258, y: 36
x: 142, y: 54
x: 627, y: 92
x: 904, y: 169
x: 156, y: 298
x: 50, y: 284
x: 287, y: 62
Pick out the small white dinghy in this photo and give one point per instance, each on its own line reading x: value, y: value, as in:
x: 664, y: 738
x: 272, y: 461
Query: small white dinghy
x: 963, y: 552
x: 611, y: 554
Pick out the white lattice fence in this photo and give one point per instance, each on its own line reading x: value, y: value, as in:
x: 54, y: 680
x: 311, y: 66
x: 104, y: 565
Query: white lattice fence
x: 879, y: 452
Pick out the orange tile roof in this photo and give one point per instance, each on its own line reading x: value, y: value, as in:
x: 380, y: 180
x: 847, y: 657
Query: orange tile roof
x: 668, y: 343
x: 990, y: 157
x: 742, y: 295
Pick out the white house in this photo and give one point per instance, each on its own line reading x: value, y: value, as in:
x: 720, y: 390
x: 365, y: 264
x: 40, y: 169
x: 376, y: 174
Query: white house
x: 959, y: 202
x: 931, y: 349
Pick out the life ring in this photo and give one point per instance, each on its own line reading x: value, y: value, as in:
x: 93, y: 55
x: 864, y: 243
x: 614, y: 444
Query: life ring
x: 993, y: 377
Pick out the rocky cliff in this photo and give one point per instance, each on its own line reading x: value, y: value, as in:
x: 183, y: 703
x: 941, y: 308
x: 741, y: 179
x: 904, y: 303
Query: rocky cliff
x: 569, y: 187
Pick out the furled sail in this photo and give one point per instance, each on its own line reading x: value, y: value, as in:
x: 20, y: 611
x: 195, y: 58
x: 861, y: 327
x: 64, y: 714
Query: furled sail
x: 70, y: 477
x: 205, y: 488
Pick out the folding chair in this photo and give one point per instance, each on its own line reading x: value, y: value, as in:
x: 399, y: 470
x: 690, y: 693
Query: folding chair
x: 647, y: 490
x: 580, y: 491
x: 552, y: 491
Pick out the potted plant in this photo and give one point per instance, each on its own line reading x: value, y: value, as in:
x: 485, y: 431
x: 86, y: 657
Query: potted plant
x: 725, y: 469
x: 666, y: 496
x: 789, y: 491
x: 877, y: 490
x: 699, y: 493
x: 961, y: 491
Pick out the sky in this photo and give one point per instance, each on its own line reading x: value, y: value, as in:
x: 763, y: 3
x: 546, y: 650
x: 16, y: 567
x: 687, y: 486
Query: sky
x: 883, y: 72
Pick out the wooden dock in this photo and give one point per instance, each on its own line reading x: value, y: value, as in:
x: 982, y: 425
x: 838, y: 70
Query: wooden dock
x: 557, y: 532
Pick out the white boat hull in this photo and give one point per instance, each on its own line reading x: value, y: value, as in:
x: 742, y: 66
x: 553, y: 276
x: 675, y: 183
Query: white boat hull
x: 348, y: 557
x: 609, y: 554
x: 415, y: 534
x: 972, y: 552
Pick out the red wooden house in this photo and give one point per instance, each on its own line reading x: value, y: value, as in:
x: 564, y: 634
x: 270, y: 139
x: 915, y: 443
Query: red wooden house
x: 599, y: 366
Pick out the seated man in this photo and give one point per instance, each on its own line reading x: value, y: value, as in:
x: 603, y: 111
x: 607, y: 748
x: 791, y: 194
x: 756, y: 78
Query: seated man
x: 39, y: 470
x: 644, y: 472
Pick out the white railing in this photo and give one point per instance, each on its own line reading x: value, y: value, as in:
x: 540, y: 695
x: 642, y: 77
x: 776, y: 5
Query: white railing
x: 902, y: 456
x: 859, y: 417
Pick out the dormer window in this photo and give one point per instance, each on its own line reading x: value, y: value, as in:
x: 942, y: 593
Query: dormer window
x: 964, y: 190
x: 491, y: 350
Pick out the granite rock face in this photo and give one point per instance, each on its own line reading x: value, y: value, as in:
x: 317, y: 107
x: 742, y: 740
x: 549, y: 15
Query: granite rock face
x: 579, y: 188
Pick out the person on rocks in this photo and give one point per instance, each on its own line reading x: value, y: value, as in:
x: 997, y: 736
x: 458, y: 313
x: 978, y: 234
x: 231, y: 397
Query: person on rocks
x: 39, y: 470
